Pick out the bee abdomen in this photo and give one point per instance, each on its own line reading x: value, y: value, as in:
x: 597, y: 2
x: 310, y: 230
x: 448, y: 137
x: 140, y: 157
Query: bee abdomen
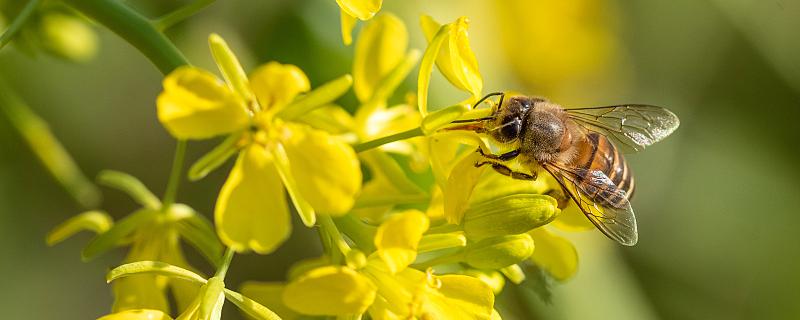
x: 597, y: 153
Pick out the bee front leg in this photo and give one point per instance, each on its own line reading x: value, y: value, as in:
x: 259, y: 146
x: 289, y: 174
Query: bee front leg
x: 502, y: 157
x: 506, y: 171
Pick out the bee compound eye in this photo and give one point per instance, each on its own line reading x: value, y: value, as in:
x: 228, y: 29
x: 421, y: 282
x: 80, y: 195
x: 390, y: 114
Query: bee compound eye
x: 510, y: 129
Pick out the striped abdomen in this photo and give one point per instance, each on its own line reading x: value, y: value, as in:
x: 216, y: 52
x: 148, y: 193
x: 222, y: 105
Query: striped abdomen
x: 596, y: 152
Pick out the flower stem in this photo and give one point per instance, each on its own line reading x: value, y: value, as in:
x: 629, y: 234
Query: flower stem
x: 135, y: 29
x: 18, y: 22
x: 164, y: 22
x: 226, y: 263
x: 44, y: 144
x: 361, y: 147
x: 328, y: 227
x: 174, y: 176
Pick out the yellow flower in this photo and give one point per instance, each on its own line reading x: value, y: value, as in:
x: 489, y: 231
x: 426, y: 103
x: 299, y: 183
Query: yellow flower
x: 385, y: 286
x: 454, y: 56
x: 153, y: 232
x: 356, y: 9
x: 260, y: 114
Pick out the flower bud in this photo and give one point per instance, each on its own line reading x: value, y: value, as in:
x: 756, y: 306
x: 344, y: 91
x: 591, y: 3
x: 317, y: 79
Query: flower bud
x: 513, y: 214
x: 499, y: 252
x: 68, y: 36
x: 494, y: 279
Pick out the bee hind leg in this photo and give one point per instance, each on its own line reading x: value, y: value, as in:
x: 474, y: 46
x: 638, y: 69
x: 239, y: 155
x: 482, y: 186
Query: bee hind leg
x: 506, y: 171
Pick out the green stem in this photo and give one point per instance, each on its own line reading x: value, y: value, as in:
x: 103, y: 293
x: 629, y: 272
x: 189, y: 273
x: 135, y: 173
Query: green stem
x: 361, y: 147
x: 327, y: 226
x: 18, y: 22
x: 361, y: 233
x: 164, y: 22
x: 226, y: 263
x: 135, y: 29
x: 44, y: 144
x: 174, y: 176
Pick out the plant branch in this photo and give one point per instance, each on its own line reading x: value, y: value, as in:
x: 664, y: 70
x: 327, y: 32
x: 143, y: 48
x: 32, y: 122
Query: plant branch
x: 361, y: 147
x: 18, y: 22
x: 135, y: 29
x: 168, y: 20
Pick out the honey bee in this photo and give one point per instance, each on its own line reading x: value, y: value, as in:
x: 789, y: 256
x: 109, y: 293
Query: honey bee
x: 581, y: 148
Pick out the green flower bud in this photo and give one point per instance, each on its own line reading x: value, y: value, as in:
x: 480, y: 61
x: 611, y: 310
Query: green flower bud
x: 68, y: 36
x: 513, y: 214
x: 499, y: 252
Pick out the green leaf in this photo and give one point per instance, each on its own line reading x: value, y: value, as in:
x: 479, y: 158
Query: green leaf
x: 199, y: 232
x: 318, y: 97
x: 116, y: 234
x: 214, y: 158
x: 252, y: 308
x: 155, y: 268
x: 97, y: 221
x: 130, y: 185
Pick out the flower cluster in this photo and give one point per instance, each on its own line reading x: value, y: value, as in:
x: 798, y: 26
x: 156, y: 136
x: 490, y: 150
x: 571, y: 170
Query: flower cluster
x: 422, y: 233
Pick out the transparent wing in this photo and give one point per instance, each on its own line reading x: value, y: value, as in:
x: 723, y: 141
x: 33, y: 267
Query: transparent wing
x: 606, y: 206
x: 632, y: 126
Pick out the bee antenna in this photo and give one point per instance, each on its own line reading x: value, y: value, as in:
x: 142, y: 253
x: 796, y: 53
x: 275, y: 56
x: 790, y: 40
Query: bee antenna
x: 473, y: 120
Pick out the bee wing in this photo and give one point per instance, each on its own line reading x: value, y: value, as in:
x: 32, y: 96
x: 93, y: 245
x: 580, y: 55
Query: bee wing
x: 617, y: 222
x: 632, y: 126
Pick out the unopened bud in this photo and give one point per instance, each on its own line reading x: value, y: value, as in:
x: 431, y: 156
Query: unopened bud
x: 68, y: 36
x: 513, y: 214
x: 499, y: 252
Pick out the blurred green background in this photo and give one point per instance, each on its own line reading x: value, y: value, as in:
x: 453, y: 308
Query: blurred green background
x: 717, y: 202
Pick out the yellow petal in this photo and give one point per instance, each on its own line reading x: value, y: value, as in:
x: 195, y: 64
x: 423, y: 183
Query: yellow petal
x: 330, y: 290
x: 554, y: 254
x: 460, y: 186
x: 460, y: 297
x: 361, y: 9
x: 197, y: 105
x: 455, y: 59
x: 326, y: 169
x: 398, y: 237
x: 382, y: 43
x: 269, y: 295
x: 275, y: 84
x: 251, y: 211
x: 348, y: 23
x: 137, y: 314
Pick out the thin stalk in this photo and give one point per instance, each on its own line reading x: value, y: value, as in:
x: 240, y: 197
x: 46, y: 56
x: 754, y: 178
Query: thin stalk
x: 18, y: 22
x: 361, y: 147
x: 168, y: 20
x: 174, y: 176
x: 226, y: 263
x: 327, y: 226
x: 135, y: 29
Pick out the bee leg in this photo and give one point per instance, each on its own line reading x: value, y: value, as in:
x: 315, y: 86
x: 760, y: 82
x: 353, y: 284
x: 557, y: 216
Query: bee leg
x: 502, y: 157
x: 506, y: 171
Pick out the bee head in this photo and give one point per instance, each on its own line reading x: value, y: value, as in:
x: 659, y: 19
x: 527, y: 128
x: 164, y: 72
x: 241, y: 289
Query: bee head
x: 510, y: 117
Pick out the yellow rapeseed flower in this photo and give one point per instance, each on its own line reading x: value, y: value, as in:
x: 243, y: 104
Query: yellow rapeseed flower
x: 259, y: 113
x: 356, y: 9
x: 385, y: 286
